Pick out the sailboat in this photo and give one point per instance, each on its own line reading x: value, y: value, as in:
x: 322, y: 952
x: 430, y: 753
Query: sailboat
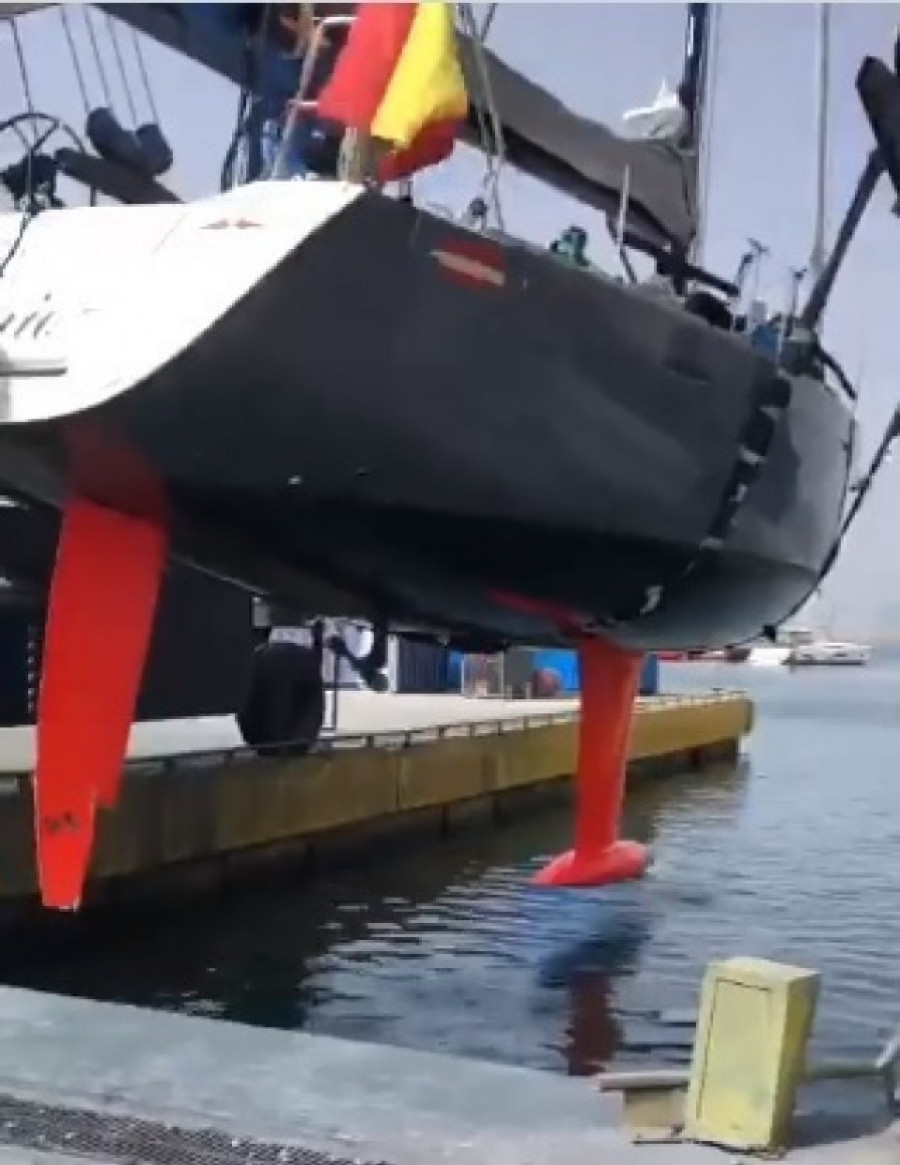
x: 365, y: 408
x: 526, y: 441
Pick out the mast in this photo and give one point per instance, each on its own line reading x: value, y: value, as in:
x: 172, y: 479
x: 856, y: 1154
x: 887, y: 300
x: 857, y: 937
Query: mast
x: 693, y: 93
x: 823, y: 58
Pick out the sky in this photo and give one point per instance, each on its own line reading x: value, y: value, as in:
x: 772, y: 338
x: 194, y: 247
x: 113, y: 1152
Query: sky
x: 603, y: 59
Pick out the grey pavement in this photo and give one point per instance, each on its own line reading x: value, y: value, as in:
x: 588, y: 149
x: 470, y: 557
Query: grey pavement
x: 354, y: 1101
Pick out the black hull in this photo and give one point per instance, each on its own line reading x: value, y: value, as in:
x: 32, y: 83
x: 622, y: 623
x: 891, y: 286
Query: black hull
x: 202, y: 649
x: 365, y: 432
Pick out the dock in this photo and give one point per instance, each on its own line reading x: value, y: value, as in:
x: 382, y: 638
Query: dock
x: 198, y: 811
x: 90, y: 1082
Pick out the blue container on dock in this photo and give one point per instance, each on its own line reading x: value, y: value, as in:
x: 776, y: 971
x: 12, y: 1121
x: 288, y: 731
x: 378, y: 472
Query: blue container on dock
x: 650, y: 676
x: 565, y: 665
x: 455, y: 671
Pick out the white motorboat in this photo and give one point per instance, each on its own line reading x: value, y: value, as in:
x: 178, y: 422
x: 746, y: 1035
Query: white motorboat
x: 768, y: 655
x: 787, y: 640
x: 829, y: 653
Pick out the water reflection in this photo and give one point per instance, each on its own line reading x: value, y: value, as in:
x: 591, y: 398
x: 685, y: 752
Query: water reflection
x: 585, y: 970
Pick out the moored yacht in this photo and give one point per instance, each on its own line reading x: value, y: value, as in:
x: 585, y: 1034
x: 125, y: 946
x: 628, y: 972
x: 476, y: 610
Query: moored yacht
x: 828, y: 653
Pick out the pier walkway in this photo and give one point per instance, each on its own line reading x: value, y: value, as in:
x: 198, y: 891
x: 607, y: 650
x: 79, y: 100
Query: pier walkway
x: 360, y: 714
x: 103, y: 1082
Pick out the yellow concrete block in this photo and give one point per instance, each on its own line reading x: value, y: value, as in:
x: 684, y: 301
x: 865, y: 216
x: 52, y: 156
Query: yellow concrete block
x: 749, y: 1053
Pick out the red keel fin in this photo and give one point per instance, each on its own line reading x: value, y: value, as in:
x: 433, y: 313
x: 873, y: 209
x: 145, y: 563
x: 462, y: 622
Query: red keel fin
x: 609, y: 685
x: 103, y: 596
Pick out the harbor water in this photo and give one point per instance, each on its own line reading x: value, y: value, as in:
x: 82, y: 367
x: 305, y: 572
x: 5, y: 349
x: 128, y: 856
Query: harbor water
x: 792, y: 855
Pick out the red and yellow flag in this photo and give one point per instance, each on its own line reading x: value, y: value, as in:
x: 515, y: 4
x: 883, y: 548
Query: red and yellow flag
x: 399, y: 78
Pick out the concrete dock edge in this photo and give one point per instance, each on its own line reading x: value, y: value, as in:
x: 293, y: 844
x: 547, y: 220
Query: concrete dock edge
x: 105, y: 1082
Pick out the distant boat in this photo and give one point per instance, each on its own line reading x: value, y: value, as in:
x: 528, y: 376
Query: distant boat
x: 768, y: 655
x: 828, y: 653
x: 775, y: 653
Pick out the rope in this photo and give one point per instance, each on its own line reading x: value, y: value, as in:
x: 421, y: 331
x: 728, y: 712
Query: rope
x: 494, y: 146
x: 98, y: 60
x: 243, y: 148
x: 120, y: 63
x: 488, y: 21
x: 24, y: 223
x: 76, y: 60
x: 144, y: 74
x: 23, y: 68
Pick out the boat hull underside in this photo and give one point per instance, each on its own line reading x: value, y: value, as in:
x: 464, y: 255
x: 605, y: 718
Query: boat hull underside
x: 479, y: 457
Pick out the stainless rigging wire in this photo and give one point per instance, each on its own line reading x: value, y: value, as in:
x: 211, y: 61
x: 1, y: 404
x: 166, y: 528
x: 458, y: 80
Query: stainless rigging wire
x: 98, y: 59
x: 120, y: 65
x: 144, y: 74
x: 76, y: 60
x: 488, y: 20
x: 23, y: 72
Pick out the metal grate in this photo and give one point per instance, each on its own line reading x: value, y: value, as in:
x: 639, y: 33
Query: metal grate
x: 46, y: 1128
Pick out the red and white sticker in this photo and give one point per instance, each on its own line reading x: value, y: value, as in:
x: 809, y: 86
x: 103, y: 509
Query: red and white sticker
x: 472, y: 262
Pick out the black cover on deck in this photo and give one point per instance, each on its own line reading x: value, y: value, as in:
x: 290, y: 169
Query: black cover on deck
x: 584, y: 158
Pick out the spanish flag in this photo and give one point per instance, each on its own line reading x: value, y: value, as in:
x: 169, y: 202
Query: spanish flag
x: 398, y: 78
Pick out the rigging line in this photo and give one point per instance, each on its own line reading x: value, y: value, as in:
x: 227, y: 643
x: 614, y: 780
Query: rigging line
x: 76, y: 60
x: 120, y: 64
x: 24, y: 222
x: 488, y: 21
x: 238, y: 163
x: 144, y: 74
x: 477, y: 38
x: 98, y: 60
x: 823, y: 92
x: 23, y: 71
x: 27, y: 212
x: 495, y: 150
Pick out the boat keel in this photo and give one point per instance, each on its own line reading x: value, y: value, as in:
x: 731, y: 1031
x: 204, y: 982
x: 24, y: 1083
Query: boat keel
x: 609, y: 686
x: 103, y: 595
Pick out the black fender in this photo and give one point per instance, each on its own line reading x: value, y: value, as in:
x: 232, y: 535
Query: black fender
x: 284, y: 708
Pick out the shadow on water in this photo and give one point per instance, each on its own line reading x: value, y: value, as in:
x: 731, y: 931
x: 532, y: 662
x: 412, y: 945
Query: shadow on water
x: 447, y: 948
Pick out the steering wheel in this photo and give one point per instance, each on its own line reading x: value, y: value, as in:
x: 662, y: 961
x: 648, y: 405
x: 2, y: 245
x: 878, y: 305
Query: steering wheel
x: 24, y: 179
